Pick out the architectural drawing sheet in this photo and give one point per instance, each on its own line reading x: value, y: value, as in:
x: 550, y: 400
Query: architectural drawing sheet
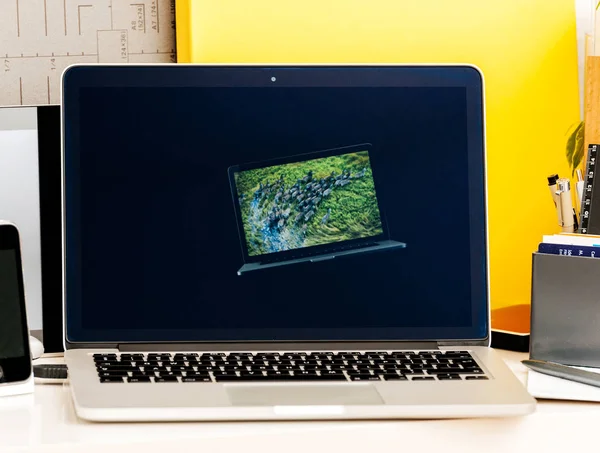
x: 40, y: 38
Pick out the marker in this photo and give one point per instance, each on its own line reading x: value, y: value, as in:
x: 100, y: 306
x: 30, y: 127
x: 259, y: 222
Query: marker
x: 555, y: 198
x: 566, y: 204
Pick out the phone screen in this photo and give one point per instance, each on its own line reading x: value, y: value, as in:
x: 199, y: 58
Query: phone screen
x: 12, y: 342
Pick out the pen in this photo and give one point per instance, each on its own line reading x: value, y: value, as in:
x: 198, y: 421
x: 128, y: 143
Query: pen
x: 553, y: 188
x: 564, y: 372
x: 566, y: 205
x: 579, y: 186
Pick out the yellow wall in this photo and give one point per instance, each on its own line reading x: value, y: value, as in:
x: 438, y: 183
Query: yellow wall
x: 526, y: 49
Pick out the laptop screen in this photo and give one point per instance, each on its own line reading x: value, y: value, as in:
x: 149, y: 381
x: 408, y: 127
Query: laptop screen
x: 315, y: 199
x: 274, y: 204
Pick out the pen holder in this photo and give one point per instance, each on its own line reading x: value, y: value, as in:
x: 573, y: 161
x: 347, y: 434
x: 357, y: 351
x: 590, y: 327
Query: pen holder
x: 565, y: 309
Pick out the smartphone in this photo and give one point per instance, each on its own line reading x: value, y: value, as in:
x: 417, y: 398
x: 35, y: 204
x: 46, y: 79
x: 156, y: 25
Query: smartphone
x: 15, y: 356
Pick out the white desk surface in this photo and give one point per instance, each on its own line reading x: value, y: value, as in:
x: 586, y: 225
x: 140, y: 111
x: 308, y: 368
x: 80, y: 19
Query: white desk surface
x: 45, y: 422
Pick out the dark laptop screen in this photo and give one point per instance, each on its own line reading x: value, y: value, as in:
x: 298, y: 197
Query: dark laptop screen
x: 178, y: 178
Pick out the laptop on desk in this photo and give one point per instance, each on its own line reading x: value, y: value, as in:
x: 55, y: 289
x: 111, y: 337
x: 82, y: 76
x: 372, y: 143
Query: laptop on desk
x: 292, y: 302
x: 300, y: 208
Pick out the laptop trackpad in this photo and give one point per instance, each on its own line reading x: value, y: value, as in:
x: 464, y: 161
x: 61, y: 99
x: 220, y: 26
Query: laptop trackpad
x: 302, y: 395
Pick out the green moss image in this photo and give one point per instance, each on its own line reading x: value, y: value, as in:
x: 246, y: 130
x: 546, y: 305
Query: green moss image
x: 302, y: 204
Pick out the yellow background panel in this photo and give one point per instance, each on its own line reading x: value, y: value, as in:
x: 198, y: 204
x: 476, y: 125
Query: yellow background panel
x: 526, y: 50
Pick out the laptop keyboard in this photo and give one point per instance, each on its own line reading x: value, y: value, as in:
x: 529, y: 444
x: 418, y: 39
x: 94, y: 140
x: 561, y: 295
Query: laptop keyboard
x: 332, y: 250
x: 292, y: 366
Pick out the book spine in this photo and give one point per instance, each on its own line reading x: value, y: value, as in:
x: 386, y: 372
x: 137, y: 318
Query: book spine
x: 569, y: 250
x: 586, y: 201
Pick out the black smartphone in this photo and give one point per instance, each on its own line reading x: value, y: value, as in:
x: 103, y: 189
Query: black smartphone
x: 15, y: 356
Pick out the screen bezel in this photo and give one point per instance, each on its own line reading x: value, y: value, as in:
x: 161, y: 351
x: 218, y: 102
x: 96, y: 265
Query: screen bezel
x: 290, y: 254
x: 464, y: 76
x: 16, y: 369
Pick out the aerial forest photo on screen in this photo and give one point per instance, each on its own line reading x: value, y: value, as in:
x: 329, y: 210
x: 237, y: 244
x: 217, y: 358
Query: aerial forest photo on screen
x: 313, y: 202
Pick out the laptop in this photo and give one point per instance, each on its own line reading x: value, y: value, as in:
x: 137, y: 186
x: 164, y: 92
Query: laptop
x: 301, y: 208
x: 158, y: 323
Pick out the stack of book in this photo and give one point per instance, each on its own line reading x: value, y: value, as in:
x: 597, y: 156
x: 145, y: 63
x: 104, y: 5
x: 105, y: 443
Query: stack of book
x: 571, y: 245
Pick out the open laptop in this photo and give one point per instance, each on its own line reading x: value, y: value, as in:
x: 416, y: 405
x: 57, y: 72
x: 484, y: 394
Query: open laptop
x: 301, y: 208
x: 159, y: 326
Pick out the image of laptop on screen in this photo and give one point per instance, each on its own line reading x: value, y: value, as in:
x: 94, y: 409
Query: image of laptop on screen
x: 309, y: 208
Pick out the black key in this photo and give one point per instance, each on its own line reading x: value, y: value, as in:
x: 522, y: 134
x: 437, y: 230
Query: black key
x: 119, y: 365
x: 113, y: 374
x: 182, y: 368
x: 457, y: 354
x: 393, y: 377
x: 261, y: 368
x: 314, y: 367
x: 187, y: 356
x: 111, y: 379
x: 132, y: 357
x: 162, y: 357
x: 202, y: 367
x: 343, y: 357
x: 448, y: 367
x: 200, y: 374
x: 174, y: 363
x: 286, y: 362
x: 469, y: 365
x: 305, y: 373
x: 282, y: 374
x: 212, y: 357
x: 149, y: 363
x: 334, y: 366
x: 258, y: 377
x: 105, y: 357
x: 111, y: 363
x: 477, y: 371
x: 288, y: 367
x: 332, y: 373
x: 336, y: 362
x: 267, y: 356
x: 392, y: 366
x: 155, y: 368
x: 166, y: 379
x: 318, y: 357
x: 449, y: 377
x: 423, y: 378
x: 226, y: 373
x: 364, y: 377
x: 138, y: 379
x: 473, y: 378
x: 311, y: 362
x: 196, y: 379
x: 432, y: 371
x: 359, y: 362
x: 234, y: 368
x: 169, y: 373
x: 408, y: 361
x: 293, y: 356
x: 413, y: 372
x: 229, y: 362
x: 444, y: 360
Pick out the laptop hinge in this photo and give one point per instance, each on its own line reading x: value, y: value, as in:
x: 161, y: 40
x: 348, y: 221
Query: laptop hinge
x: 288, y: 346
